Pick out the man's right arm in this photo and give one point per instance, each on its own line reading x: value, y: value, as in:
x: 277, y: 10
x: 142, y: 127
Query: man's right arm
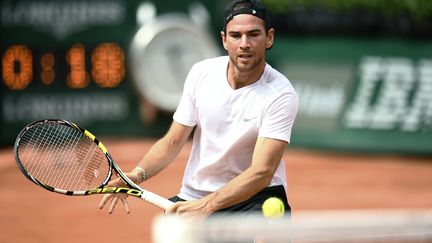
x: 164, y: 151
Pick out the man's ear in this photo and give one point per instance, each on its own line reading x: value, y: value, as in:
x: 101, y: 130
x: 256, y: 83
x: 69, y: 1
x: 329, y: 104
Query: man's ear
x: 270, y: 38
x: 224, y: 40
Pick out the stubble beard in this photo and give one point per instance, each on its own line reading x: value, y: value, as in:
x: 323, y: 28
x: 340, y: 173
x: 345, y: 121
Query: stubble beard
x: 245, y: 67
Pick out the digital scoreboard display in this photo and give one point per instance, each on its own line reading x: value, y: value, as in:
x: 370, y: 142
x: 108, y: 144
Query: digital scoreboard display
x: 75, y: 83
x: 116, y: 67
x: 69, y: 60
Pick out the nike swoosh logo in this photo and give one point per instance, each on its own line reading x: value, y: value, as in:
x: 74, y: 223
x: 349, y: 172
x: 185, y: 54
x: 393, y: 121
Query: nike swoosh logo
x: 246, y: 119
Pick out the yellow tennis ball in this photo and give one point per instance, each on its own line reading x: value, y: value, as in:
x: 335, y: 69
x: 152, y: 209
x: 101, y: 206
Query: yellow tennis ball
x: 273, y: 208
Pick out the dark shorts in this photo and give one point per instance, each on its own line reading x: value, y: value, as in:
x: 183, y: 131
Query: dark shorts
x: 253, y: 204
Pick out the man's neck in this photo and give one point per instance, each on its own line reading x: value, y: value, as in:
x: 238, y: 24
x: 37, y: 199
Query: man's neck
x: 238, y: 79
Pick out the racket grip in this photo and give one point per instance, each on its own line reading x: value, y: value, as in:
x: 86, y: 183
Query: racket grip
x: 156, y: 200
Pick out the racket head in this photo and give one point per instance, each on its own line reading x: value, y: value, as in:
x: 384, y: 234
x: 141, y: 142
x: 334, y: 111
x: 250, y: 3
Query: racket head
x: 62, y: 157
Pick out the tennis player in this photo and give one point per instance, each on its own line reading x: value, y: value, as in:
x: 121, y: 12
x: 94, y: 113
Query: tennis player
x: 241, y: 112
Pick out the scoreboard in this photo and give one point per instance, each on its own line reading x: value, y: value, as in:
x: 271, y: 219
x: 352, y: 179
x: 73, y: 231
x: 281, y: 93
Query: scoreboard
x: 65, y: 59
x: 75, y: 83
x: 72, y: 60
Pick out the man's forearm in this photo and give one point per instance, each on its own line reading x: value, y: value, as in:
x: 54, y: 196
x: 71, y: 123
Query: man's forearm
x: 241, y: 188
x: 165, y: 150
x: 266, y: 159
x: 160, y: 155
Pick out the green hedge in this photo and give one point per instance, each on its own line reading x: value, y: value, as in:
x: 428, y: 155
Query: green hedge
x: 419, y: 9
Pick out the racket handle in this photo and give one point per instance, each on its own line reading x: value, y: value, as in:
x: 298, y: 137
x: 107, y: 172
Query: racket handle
x: 156, y: 200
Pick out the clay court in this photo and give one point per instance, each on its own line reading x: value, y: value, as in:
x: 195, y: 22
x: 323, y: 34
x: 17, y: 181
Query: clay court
x: 317, y: 180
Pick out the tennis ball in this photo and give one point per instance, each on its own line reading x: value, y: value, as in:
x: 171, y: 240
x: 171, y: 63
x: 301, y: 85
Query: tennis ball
x: 273, y: 208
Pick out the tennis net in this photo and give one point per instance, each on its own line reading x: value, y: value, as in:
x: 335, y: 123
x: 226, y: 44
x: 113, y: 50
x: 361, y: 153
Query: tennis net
x: 401, y: 226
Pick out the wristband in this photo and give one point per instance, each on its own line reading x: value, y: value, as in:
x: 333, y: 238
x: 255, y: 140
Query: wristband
x: 142, y: 173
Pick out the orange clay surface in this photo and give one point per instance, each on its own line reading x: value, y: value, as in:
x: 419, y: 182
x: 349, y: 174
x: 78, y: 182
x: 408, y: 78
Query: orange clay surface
x: 317, y: 180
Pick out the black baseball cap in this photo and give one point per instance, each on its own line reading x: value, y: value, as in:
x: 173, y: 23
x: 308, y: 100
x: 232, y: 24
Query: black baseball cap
x: 252, y: 7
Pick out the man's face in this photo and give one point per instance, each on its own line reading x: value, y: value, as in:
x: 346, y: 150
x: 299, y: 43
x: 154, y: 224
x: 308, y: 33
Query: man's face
x: 246, y: 41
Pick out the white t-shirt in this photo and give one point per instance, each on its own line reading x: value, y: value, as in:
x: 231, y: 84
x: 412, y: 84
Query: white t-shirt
x: 228, y: 123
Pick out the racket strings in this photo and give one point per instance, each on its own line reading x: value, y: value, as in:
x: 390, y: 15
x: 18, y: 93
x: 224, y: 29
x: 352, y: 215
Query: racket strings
x: 64, y: 177
x: 62, y: 157
x: 58, y: 154
x: 92, y: 158
x: 39, y: 150
x: 48, y: 154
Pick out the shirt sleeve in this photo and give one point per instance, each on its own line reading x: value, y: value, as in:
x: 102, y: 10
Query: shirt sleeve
x: 279, y: 117
x: 185, y: 112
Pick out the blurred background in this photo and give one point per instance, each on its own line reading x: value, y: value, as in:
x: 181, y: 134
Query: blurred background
x: 362, y: 68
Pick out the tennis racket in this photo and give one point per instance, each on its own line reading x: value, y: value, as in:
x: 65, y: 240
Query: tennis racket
x: 62, y: 157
